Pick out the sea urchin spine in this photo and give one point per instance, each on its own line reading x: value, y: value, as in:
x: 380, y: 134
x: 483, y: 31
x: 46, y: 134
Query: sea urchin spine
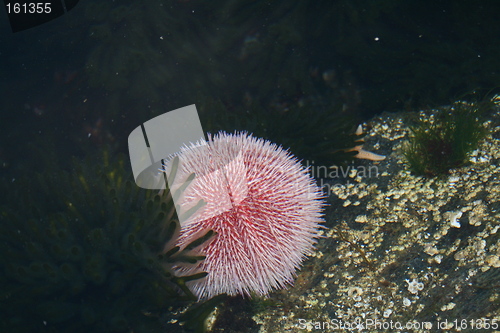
x: 263, y: 205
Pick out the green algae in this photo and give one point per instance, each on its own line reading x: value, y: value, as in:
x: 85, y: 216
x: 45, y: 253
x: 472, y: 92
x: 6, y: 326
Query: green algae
x: 436, y: 147
x: 84, y: 250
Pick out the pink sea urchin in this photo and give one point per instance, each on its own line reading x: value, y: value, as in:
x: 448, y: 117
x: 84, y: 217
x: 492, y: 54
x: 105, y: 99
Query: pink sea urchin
x: 263, y: 205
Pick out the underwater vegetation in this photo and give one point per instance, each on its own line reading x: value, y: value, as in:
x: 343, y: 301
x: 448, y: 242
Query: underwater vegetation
x: 313, y: 132
x: 437, y: 146
x: 151, y: 51
x: 89, y: 251
x: 248, y: 56
x: 134, y: 61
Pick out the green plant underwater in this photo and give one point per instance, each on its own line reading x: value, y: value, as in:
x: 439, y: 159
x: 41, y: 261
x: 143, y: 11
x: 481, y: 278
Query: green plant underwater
x: 437, y: 146
x: 89, y: 251
x: 315, y: 133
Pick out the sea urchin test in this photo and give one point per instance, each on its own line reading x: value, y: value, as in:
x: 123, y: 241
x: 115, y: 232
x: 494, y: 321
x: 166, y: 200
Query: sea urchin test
x: 263, y: 205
